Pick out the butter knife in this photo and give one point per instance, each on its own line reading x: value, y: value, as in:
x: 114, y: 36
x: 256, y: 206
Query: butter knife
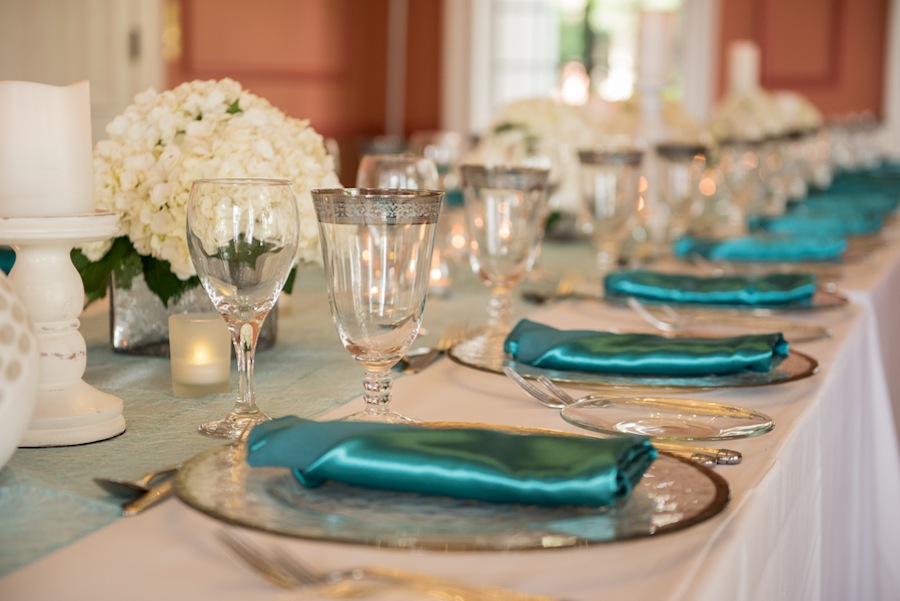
x: 719, y: 456
x: 156, y: 494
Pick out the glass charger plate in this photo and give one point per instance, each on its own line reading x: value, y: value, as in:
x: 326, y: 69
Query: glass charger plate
x: 666, y: 419
x: 489, y: 356
x: 672, y: 495
x: 822, y: 299
x: 720, y: 324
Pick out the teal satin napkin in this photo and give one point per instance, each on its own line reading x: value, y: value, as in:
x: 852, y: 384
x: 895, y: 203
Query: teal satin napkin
x: 837, y: 223
x: 830, y: 213
x: 764, y: 248
x: 850, y: 202
x: 884, y: 180
x: 461, y: 462
x: 591, y: 351
x: 754, y: 290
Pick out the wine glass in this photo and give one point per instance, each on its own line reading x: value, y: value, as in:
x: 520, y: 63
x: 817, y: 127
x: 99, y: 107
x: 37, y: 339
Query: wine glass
x: 681, y: 165
x: 505, y: 210
x: 376, y: 246
x: 445, y: 148
x: 609, y: 179
x: 242, y: 236
x: 405, y: 170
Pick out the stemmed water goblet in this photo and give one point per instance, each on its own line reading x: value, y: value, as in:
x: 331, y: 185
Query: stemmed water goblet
x: 377, y: 246
x: 609, y: 179
x: 242, y: 236
x: 404, y: 170
x: 505, y: 211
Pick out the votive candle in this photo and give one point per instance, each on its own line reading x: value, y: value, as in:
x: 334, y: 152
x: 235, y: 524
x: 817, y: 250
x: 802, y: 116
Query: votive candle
x: 200, y: 353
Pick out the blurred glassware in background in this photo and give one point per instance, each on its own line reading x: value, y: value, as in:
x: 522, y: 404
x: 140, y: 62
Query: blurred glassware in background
x: 722, y: 214
x: 445, y: 148
x: 856, y: 142
x: 403, y: 171
x: 680, y: 167
x: 411, y: 171
x: 739, y: 161
x: 610, y: 178
x: 505, y: 210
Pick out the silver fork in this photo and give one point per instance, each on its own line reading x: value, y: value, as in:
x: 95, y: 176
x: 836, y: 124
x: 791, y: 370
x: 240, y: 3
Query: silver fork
x: 451, y: 336
x: 551, y: 395
x: 286, y: 571
x: 674, y: 322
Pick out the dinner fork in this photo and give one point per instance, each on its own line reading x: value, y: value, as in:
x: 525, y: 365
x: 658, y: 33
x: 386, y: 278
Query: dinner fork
x: 451, y: 336
x: 552, y: 395
x: 674, y: 321
x: 287, y: 571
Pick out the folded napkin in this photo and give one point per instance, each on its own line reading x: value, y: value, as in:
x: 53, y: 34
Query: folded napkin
x: 764, y: 248
x: 837, y: 222
x: 469, y: 463
x: 885, y: 180
x: 872, y: 200
x: 642, y: 354
x: 769, y: 289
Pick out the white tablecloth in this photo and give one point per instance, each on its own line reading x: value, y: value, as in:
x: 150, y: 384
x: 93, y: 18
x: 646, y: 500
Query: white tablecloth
x: 813, y: 514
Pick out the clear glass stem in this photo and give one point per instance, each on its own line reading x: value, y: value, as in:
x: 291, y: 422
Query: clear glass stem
x: 377, y: 387
x: 499, y: 310
x: 245, y: 337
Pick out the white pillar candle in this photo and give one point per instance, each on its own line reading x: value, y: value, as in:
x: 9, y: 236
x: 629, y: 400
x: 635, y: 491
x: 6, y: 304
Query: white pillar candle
x: 46, y: 168
x: 200, y: 354
x: 656, y: 48
x: 743, y: 66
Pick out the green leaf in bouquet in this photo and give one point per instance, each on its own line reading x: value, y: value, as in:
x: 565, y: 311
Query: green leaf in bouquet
x: 244, y: 250
x: 121, y: 258
x: 289, y: 282
x: 162, y: 282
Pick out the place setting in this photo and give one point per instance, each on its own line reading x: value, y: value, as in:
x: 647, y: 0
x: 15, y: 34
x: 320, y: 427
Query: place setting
x: 447, y: 486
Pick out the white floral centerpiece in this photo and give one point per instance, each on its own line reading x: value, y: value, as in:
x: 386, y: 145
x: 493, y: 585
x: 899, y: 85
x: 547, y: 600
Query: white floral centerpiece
x: 159, y: 146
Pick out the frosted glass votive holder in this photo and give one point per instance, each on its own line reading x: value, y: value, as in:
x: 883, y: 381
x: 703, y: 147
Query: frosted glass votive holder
x: 200, y: 354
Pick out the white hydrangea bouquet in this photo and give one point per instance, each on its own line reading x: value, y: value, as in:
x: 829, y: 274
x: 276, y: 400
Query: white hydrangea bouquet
x: 159, y: 146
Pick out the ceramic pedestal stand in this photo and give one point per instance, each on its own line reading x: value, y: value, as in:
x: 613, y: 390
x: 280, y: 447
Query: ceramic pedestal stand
x: 68, y: 410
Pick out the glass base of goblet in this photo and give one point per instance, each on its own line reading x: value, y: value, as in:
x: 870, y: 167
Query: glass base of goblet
x: 484, y: 349
x: 234, y: 426
x: 380, y: 415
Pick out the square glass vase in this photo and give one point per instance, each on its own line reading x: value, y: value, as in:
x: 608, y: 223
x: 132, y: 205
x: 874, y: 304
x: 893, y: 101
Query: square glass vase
x: 139, y: 322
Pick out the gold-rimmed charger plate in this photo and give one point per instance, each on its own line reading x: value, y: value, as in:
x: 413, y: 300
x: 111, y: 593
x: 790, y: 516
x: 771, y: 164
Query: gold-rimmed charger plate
x: 822, y: 299
x: 487, y: 355
x: 673, y: 494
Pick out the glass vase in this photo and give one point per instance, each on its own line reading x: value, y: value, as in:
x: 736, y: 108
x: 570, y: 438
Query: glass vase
x: 139, y: 322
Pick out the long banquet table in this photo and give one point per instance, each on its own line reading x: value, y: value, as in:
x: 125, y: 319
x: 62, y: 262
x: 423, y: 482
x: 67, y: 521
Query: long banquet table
x: 813, y: 513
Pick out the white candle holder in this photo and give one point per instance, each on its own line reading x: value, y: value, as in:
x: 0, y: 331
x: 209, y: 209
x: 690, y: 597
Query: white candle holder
x: 68, y: 411
x: 199, y: 354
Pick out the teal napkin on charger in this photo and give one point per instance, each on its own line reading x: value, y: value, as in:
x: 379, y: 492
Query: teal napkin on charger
x: 873, y: 200
x: 764, y: 248
x: 592, y: 351
x: 837, y: 222
x: 470, y: 463
x: 753, y: 290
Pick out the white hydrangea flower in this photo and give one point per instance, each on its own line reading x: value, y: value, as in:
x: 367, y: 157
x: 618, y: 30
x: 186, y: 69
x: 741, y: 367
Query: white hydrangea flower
x: 201, y: 129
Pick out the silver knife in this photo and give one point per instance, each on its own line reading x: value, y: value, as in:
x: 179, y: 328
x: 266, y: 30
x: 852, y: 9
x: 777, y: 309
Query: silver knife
x: 719, y: 456
x: 149, y: 499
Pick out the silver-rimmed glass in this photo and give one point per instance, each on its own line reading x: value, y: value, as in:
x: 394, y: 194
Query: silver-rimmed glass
x: 505, y: 211
x: 609, y: 186
x: 377, y: 246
